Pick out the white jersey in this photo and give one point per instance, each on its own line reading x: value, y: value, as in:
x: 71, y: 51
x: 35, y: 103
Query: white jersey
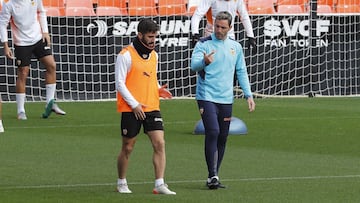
x: 27, y: 20
x: 234, y: 7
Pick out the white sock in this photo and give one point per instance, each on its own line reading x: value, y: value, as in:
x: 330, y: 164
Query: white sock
x: 50, y: 92
x: 1, y: 127
x: 121, y: 181
x: 20, y: 102
x: 159, y: 182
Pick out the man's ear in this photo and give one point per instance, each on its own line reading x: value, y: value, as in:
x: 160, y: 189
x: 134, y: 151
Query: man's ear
x: 140, y: 35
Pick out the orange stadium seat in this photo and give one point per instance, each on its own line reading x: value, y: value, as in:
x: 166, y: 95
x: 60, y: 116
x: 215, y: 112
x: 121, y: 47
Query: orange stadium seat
x: 115, y: 3
x: 290, y: 9
x: 331, y: 3
x: 324, y: 9
x: 347, y: 6
x: 303, y: 3
x: 109, y: 11
x: 261, y: 7
x: 348, y: 2
x: 54, y: 3
x: 142, y: 8
x: 79, y: 3
x: 79, y: 11
x: 53, y: 11
x: 121, y: 4
x: 172, y: 7
x: 344, y: 8
x: 60, y: 4
x: 292, y: 2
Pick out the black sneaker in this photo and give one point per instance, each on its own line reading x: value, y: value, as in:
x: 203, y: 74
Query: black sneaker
x: 221, y: 185
x: 213, y: 184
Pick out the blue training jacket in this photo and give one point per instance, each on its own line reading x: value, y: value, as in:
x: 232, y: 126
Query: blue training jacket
x: 215, y: 82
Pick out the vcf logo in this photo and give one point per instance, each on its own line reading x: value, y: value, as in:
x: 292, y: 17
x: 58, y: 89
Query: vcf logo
x: 101, y: 28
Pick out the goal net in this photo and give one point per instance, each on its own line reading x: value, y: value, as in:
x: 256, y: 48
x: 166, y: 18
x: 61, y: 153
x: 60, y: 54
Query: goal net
x: 297, y: 55
x: 306, y: 54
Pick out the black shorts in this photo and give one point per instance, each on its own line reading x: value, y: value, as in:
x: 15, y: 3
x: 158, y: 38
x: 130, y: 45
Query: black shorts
x: 23, y: 54
x: 130, y: 127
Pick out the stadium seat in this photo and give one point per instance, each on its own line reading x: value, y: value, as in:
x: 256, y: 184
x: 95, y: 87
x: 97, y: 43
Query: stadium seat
x: 261, y: 7
x: 53, y: 11
x: 324, y: 9
x: 114, y: 3
x: 292, y: 2
x: 303, y: 3
x: 348, y: 2
x: 142, y: 8
x: 290, y: 9
x: 79, y: 3
x: 109, y: 11
x: 172, y: 7
x: 79, y: 11
x: 54, y: 3
x: 60, y: 4
x: 331, y: 3
x: 344, y: 8
x: 121, y: 4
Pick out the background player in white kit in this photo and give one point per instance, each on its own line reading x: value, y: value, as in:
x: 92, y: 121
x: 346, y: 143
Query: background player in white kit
x: 30, y: 38
x: 211, y: 8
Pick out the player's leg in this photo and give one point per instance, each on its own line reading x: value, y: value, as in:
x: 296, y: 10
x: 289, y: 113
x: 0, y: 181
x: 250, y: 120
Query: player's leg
x: 153, y: 127
x: 159, y: 157
x: 23, y: 56
x: 123, y: 162
x: 1, y: 124
x: 22, y: 73
x: 224, y: 118
x: 208, y: 111
x: 44, y: 54
x: 130, y: 127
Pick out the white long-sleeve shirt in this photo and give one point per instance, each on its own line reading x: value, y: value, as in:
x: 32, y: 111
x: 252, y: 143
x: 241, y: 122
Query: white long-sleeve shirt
x: 27, y: 20
x: 231, y: 6
x: 122, y: 68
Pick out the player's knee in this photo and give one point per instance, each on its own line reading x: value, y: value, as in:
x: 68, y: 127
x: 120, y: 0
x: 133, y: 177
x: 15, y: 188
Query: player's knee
x: 159, y: 145
x: 51, y: 68
x: 22, y: 73
x: 127, y: 149
x: 213, y: 132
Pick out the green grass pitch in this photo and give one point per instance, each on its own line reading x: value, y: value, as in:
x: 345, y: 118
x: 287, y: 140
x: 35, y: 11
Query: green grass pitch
x: 296, y: 150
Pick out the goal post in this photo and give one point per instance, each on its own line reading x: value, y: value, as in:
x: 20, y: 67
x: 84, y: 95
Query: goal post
x: 297, y: 55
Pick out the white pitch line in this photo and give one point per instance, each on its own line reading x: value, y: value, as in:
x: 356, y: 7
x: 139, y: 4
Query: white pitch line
x: 175, y: 122
x: 181, y: 181
x: 87, y: 125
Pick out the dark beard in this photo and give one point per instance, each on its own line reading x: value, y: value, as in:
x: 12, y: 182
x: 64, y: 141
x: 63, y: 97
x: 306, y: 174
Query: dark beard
x: 142, y: 50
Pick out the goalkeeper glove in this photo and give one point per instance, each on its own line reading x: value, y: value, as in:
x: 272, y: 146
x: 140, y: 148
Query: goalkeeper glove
x: 252, y: 44
x: 194, y: 40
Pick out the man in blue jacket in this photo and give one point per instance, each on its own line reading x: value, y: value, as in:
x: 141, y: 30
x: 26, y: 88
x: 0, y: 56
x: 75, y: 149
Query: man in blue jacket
x: 215, y: 59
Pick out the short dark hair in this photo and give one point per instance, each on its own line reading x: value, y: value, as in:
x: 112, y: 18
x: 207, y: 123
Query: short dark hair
x: 147, y: 25
x: 224, y: 15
